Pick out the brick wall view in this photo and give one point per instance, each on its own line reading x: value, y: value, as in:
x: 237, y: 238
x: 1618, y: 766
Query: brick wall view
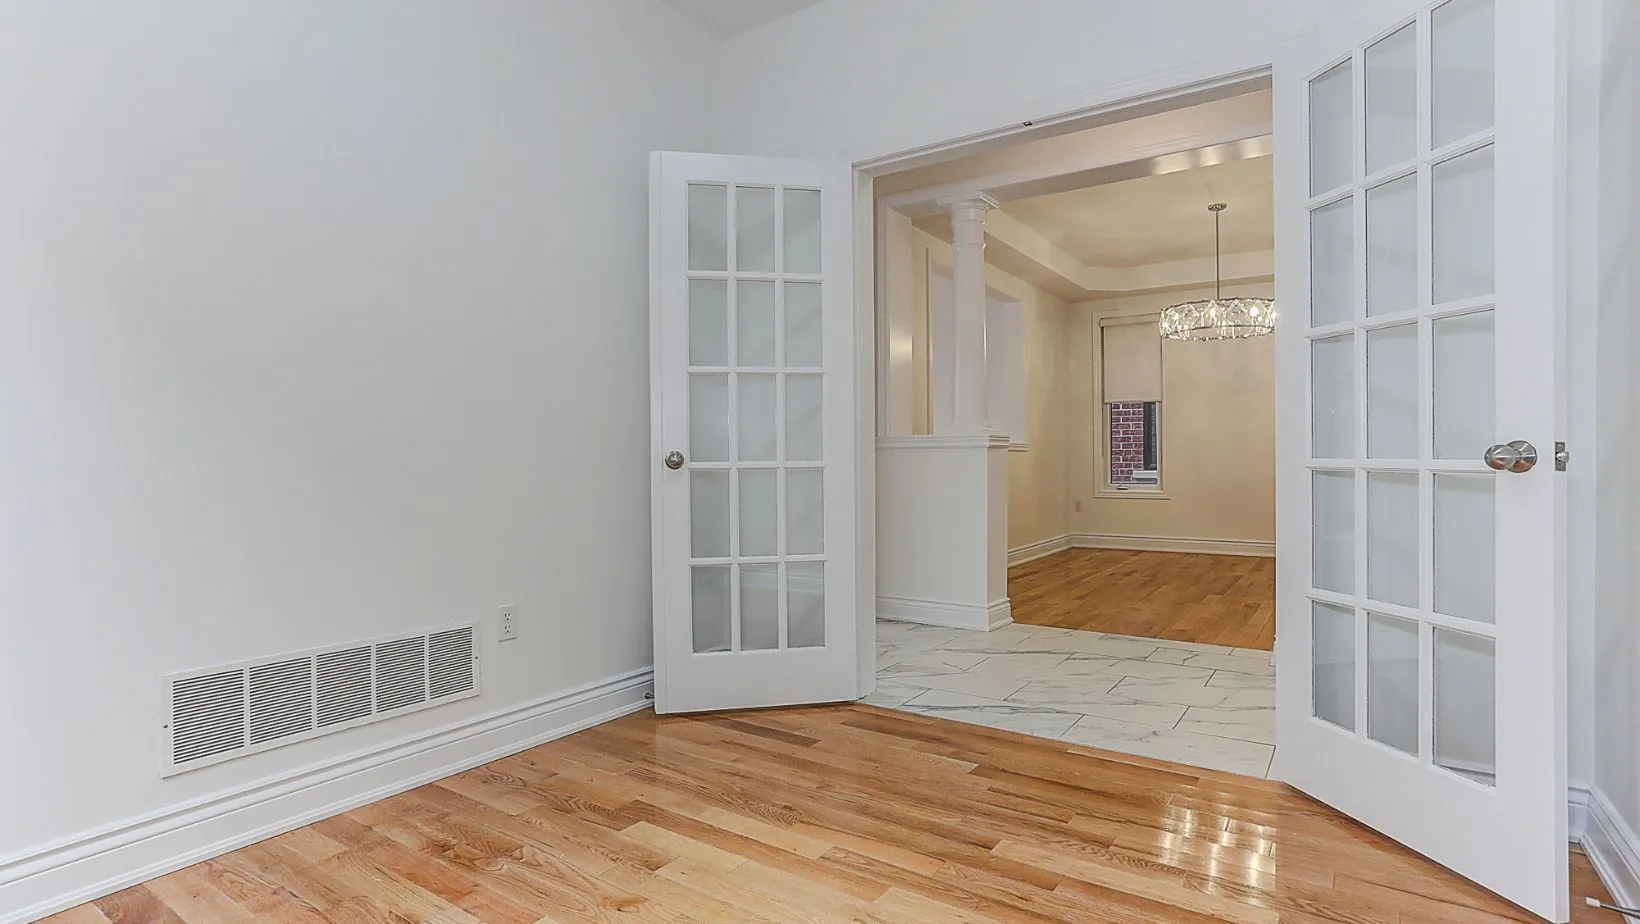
x: 1127, y: 440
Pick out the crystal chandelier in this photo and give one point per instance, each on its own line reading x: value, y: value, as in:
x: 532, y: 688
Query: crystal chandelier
x: 1219, y: 318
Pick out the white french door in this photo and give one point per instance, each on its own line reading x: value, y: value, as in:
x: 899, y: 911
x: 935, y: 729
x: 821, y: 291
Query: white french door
x: 1421, y: 632
x: 752, y: 414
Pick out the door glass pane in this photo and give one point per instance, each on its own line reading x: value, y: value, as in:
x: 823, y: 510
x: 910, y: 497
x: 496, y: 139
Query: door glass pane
x: 805, y: 431
x: 805, y: 512
x: 1465, y: 546
x: 1332, y: 399
x: 708, y: 227
x: 754, y: 324
x: 1331, y: 137
x: 1466, y: 689
x: 759, y: 607
x: 757, y: 425
x: 1462, y: 226
x: 1392, y: 537
x: 708, y: 322
x: 1332, y: 263
x: 806, y: 605
x: 708, y: 514
x: 757, y: 512
x: 1392, y: 246
x: 1392, y: 99
x: 803, y: 231
x: 803, y: 344
x: 1464, y: 386
x: 1392, y: 392
x: 709, y: 418
x: 1332, y: 664
x: 1462, y: 47
x: 754, y: 229
x: 1332, y: 531
x: 709, y: 602
x: 1392, y: 682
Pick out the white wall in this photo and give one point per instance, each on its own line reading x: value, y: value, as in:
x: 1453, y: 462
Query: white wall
x: 1616, y: 559
x: 322, y: 320
x: 865, y: 78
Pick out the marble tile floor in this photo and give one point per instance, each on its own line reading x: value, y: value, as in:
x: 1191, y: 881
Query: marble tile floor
x: 1203, y: 705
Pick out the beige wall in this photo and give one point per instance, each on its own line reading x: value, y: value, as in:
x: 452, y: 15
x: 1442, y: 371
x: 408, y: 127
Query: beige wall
x: 1037, y: 504
x: 1218, y: 432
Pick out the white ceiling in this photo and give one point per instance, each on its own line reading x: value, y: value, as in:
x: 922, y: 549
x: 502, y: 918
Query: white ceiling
x: 1158, y: 219
x: 727, y: 17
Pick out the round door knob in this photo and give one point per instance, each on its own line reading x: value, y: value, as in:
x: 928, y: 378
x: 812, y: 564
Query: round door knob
x: 674, y: 460
x: 1516, y: 456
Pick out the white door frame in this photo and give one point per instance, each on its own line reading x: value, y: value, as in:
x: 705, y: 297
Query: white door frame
x: 1226, y: 76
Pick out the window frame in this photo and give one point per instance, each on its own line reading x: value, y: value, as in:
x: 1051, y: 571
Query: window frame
x: 1102, y: 486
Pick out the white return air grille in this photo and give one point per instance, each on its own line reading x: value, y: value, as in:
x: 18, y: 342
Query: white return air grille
x: 222, y: 713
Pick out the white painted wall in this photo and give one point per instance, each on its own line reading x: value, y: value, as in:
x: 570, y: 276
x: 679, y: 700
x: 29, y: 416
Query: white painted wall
x: 1615, y: 559
x: 322, y: 321
x: 864, y: 78
x: 921, y: 482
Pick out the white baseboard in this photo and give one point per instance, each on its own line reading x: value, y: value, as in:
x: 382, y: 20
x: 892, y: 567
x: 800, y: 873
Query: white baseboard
x: 1035, y: 550
x: 970, y: 616
x: 1577, y: 811
x: 1245, y: 547
x: 58, y: 876
x: 1613, y: 850
x: 999, y: 614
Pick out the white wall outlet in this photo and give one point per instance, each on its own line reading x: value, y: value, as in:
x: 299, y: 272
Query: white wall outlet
x: 508, y: 621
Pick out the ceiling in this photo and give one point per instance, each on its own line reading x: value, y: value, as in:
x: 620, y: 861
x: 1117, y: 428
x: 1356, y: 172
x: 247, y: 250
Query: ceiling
x: 727, y: 17
x: 1158, y: 219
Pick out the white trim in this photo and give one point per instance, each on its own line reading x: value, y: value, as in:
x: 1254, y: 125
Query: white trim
x: 54, y: 877
x: 1247, y: 547
x: 1228, y: 75
x: 1035, y: 550
x: 973, y: 441
x: 948, y: 615
x: 1020, y: 446
x: 1577, y: 811
x: 1613, y: 850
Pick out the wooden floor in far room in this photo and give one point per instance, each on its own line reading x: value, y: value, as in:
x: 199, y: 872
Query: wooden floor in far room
x: 829, y: 814
x: 1225, y: 600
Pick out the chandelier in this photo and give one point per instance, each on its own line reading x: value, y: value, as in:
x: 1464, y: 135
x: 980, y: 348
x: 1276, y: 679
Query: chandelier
x: 1219, y: 318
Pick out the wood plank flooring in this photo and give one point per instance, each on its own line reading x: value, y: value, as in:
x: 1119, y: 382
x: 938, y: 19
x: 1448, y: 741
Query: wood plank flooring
x: 826, y: 814
x: 1213, y: 599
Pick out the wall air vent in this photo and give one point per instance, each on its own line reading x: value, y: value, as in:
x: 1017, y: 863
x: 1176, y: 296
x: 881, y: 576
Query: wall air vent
x: 235, y: 710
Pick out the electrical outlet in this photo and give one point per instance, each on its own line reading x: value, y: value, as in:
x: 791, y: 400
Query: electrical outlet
x: 508, y: 621
x: 1078, y: 506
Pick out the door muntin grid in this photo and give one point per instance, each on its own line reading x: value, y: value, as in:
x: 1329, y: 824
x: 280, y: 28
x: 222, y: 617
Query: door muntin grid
x: 1402, y: 511
x: 758, y: 548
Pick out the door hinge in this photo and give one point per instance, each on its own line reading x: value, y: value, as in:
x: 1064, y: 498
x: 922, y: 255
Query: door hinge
x: 1561, y: 456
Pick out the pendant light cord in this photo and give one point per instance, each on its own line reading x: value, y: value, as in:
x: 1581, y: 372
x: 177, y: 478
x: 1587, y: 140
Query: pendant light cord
x: 1218, y: 276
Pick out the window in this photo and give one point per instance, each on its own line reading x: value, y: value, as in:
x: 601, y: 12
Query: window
x: 1130, y: 387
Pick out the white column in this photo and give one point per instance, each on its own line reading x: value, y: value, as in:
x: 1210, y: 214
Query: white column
x: 968, y: 413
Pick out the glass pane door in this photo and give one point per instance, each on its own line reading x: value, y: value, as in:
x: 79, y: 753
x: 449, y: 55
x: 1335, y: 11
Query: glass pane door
x: 751, y: 348
x: 756, y: 404
x: 1420, y: 657
x: 1401, y: 369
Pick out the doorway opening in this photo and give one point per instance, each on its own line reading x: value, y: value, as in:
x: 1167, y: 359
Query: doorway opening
x: 1094, y: 561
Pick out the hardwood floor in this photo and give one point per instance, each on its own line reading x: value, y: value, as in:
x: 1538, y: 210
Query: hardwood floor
x: 833, y: 814
x: 1212, y: 599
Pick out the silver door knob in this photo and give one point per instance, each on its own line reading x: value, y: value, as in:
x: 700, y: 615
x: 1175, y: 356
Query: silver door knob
x: 674, y: 460
x: 1516, y: 456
